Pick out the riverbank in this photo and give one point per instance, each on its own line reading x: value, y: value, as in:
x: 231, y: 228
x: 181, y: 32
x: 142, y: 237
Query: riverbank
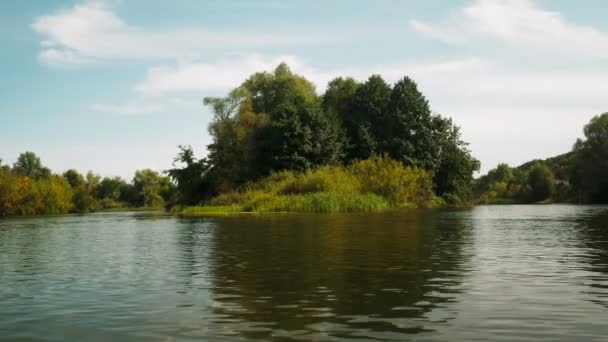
x: 127, y: 209
x: 372, y: 185
x: 311, y: 203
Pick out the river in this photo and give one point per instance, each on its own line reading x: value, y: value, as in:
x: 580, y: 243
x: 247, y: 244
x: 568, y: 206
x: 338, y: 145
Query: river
x: 491, y: 273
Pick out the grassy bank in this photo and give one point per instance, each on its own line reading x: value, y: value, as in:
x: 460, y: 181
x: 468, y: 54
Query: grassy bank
x: 125, y: 209
x: 370, y: 185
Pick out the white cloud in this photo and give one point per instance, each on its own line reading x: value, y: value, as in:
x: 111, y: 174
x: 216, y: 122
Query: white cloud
x: 435, y: 32
x: 92, y: 32
x: 468, y: 77
x: 128, y: 108
x: 202, y: 77
x: 230, y: 72
x: 146, y: 105
x: 518, y: 22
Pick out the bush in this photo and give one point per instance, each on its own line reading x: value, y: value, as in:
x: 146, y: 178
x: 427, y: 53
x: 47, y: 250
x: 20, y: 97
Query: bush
x: 390, y: 179
x: 374, y: 184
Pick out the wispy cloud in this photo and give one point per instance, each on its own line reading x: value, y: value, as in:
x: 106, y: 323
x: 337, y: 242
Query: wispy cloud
x: 228, y: 73
x: 132, y: 108
x: 144, y: 105
x: 92, y: 32
x: 206, y: 76
x: 517, y: 22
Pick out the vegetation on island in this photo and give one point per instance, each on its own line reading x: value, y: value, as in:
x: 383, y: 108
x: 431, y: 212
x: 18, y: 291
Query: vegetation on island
x: 374, y: 184
x: 579, y: 176
x: 29, y: 188
x: 279, y: 146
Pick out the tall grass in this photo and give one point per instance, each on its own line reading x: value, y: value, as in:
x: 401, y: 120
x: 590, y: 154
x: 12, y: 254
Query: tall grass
x: 374, y: 184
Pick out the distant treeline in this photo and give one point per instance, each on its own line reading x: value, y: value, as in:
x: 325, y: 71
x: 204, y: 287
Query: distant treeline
x: 276, y: 122
x: 579, y: 176
x: 29, y: 188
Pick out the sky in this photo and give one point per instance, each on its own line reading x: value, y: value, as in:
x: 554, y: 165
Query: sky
x: 114, y: 86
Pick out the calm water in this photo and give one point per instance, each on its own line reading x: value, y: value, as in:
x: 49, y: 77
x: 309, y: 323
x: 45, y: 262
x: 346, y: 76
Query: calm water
x: 499, y: 273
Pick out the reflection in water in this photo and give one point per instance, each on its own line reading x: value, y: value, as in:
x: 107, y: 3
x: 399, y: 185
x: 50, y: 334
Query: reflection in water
x: 336, y: 275
x: 593, y: 236
x: 499, y: 273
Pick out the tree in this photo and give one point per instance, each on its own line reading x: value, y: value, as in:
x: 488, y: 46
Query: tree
x: 109, y: 192
x: 74, y: 178
x: 279, y: 124
x: 224, y: 108
x: 150, y: 188
x: 407, y: 131
x: 192, y: 178
x: 541, y: 182
x: 3, y: 167
x: 56, y: 195
x: 365, y: 123
x: 28, y: 164
x: 83, y: 190
x: 454, y: 175
x: 338, y: 104
x: 591, y: 160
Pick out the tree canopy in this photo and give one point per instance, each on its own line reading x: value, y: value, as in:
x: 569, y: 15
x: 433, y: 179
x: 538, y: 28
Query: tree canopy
x: 276, y: 121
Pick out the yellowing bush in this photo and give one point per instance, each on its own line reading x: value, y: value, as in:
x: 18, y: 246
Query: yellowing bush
x: 397, y: 183
x: 374, y: 184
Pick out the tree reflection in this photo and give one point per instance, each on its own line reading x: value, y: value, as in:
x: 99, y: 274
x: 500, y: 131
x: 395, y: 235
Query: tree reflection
x: 593, y: 230
x: 339, y: 275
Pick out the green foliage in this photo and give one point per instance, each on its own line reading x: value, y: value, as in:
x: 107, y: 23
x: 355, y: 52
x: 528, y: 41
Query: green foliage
x: 279, y: 125
x: 192, y: 178
x: 365, y: 123
x: 30, y: 189
x: 323, y: 179
x: 29, y: 165
x: 534, y: 183
x: 150, y: 188
x: 113, y: 193
x: 275, y: 121
x: 22, y: 195
x: 375, y: 184
x: 541, y: 182
x: 591, y: 161
x: 210, y: 210
x: 74, y: 178
x: 577, y: 176
x: 388, y: 178
x: 326, y: 202
x: 56, y: 195
x: 453, y: 178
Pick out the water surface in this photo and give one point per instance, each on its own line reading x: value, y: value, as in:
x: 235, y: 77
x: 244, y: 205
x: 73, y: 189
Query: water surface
x: 500, y: 273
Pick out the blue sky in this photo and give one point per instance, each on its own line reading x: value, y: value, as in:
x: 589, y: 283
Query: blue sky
x: 114, y: 86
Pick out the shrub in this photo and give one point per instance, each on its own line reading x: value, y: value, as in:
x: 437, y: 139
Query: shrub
x: 374, y: 184
x: 392, y: 180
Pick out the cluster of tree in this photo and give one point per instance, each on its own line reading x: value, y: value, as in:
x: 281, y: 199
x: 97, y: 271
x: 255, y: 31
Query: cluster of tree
x: 579, y: 176
x: 29, y: 188
x: 534, y: 183
x: 276, y: 121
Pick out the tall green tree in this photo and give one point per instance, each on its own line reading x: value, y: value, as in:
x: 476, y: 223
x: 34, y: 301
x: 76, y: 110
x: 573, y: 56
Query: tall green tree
x: 273, y: 121
x: 542, y: 182
x: 74, y: 178
x: 591, y: 161
x: 29, y: 164
x: 454, y: 173
x: 151, y: 188
x: 109, y: 192
x: 338, y: 104
x: 365, y: 124
x: 192, y: 176
x: 407, y: 130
